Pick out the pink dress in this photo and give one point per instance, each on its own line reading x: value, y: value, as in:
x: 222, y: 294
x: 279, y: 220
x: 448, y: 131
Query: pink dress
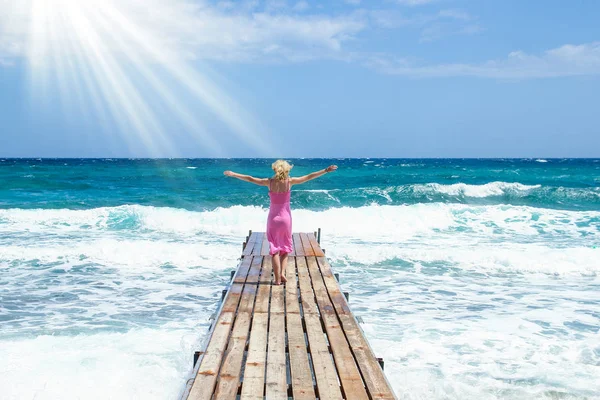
x: 279, y: 222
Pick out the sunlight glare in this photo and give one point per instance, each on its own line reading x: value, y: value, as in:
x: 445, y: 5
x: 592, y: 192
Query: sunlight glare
x: 116, y: 56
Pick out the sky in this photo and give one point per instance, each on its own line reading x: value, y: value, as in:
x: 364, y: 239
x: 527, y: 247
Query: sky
x: 277, y: 78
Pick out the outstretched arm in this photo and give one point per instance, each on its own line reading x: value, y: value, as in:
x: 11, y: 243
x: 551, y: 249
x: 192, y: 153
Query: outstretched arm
x: 248, y: 178
x: 316, y: 174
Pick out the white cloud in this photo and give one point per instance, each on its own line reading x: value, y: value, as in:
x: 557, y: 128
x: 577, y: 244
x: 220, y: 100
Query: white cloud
x: 301, y: 6
x: 455, y: 14
x: 567, y: 60
x: 414, y: 2
x: 246, y: 31
x: 432, y: 26
x: 226, y: 31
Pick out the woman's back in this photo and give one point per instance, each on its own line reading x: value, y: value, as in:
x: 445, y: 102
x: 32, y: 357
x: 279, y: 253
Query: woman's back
x: 279, y: 192
x: 279, y: 186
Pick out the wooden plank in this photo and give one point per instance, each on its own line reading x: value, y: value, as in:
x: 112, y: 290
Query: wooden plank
x: 254, y: 373
x: 206, y: 377
x: 231, y: 369
x: 267, y: 271
x: 324, y: 369
x: 298, y: 249
x: 344, y: 360
x: 258, y: 244
x: 302, y: 381
x: 306, y: 246
x: 250, y: 244
x: 315, y: 245
x: 372, y: 373
x: 266, y: 249
x: 255, y: 269
x: 291, y: 288
x: 309, y: 306
x: 242, y: 273
x: 276, y: 382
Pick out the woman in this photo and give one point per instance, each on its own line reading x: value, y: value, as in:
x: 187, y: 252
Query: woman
x: 279, y: 222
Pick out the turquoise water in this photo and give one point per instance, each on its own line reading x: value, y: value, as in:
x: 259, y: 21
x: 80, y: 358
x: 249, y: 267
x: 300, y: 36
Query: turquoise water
x: 476, y: 279
x: 571, y: 184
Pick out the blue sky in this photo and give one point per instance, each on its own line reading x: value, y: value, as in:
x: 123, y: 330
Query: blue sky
x: 276, y: 78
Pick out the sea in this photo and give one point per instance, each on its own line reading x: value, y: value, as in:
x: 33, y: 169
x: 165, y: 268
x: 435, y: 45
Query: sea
x: 473, y: 278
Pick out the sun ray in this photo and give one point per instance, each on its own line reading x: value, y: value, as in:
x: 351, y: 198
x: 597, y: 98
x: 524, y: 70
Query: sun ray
x: 225, y: 107
x: 162, y: 90
x: 103, y: 60
x: 132, y: 108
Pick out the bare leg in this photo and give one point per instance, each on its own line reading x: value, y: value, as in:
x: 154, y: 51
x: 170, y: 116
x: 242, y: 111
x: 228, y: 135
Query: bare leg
x: 277, y: 268
x: 284, y: 259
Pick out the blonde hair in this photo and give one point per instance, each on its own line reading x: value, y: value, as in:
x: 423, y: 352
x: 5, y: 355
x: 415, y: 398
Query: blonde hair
x: 282, y: 169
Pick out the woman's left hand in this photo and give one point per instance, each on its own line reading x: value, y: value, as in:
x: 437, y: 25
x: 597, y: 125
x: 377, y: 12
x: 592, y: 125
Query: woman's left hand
x: 228, y: 173
x: 331, y: 168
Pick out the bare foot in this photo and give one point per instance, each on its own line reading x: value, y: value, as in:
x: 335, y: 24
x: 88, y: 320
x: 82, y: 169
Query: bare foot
x: 283, y: 279
x: 277, y: 283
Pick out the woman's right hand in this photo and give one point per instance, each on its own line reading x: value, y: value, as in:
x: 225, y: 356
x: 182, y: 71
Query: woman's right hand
x: 331, y: 168
x: 228, y: 173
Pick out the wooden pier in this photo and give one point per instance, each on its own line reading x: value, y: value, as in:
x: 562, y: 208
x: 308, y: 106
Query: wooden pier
x: 299, y: 340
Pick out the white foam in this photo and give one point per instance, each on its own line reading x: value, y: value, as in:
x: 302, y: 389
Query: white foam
x: 134, y: 217
x: 475, y: 234
x: 417, y: 273
x: 477, y: 257
x: 134, y: 255
x: 372, y: 222
x: 146, y: 363
x: 541, y: 160
x: 324, y: 191
x: 486, y: 190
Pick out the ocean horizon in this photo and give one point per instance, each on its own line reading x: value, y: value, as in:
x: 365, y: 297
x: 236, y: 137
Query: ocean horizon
x: 475, y: 278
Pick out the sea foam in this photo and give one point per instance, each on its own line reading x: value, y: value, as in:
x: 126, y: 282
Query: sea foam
x: 463, y: 301
x: 486, y: 190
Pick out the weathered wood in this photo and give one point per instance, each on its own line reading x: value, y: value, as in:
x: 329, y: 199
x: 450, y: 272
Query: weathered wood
x: 267, y: 271
x: 315, y: 245
x: 243, y: 269
x: 328, y: 355
x: 265, y: 250
x: 302, y: 380
x: 256, y: 250
x: 306, y: 246
x: 254, y: 374
x: 276, y: 385
x: 372, y: 373
x: 298, y: 249
x: 324, y: 369
x: 309, y: 306
x: 344, y: 360
x: 229, y: 376
x: 250, y: 244
x: 291, y: 288
x: 206, y: 376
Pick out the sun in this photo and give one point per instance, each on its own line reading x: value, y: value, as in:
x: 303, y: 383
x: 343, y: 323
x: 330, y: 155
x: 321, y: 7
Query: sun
x: 124, y: 61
